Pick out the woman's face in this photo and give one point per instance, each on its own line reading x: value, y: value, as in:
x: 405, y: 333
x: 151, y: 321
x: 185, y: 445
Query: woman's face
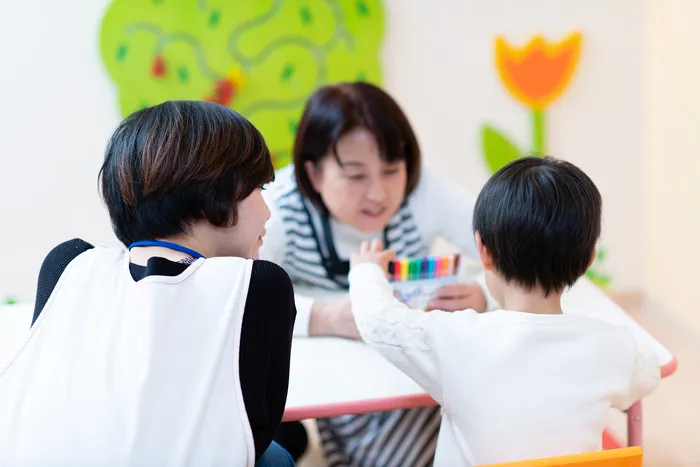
x: 363, y: 191
x: 246, y: 237
x: 243, y: 240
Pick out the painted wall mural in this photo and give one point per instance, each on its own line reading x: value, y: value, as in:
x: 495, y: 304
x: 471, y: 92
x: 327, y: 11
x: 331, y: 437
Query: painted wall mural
x: 597, y: 273
x: 535, y: 75
x: 262, y: 58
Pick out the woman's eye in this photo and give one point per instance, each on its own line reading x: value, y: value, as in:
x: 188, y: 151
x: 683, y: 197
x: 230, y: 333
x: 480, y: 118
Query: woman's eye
x: 357, y: 177
x: 391, y: 172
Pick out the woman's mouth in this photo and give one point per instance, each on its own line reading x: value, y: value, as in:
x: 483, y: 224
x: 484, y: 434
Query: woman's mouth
x: 374, y: 213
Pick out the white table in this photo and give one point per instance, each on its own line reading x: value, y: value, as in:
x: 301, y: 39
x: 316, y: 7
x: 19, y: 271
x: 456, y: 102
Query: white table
x: 332, y: 376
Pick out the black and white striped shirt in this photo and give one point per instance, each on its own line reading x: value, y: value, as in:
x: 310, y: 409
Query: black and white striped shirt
x: 306, y: 248
x: 295, y: 236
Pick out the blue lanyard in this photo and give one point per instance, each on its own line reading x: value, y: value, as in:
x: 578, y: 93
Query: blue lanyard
x: 172, y: 246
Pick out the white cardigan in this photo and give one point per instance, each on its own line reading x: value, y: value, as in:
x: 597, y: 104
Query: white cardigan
x: 512, y: 385
x: 123, y: 373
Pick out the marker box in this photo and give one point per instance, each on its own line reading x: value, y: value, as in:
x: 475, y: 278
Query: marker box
x: 416, y: 280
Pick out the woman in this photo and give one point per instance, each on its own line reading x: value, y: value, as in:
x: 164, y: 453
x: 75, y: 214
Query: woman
x: 357, y: 175
x: 163, y: 354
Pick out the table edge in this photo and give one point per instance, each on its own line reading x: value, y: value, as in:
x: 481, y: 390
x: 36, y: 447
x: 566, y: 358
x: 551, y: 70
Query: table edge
x: 669, y: 368
x: 382, y: 404
x: 408, y: 401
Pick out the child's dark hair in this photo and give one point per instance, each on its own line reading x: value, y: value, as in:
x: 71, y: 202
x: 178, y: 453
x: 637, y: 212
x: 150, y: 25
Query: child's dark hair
x: 540, y: 220
x: 173, y: 164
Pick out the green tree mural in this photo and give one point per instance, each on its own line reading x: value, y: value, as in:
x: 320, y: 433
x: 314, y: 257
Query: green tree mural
x: 262, y: 58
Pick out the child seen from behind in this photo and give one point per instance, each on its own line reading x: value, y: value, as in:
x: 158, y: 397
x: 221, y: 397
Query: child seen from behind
x: 527, y: 380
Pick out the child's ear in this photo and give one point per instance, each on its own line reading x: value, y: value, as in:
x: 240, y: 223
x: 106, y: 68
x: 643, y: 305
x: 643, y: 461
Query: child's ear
x: 313, y: 173
x: 595, y: 253
x: 484, y: 255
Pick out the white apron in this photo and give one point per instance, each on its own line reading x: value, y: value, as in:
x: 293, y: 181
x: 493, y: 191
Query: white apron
x: 123, y: 373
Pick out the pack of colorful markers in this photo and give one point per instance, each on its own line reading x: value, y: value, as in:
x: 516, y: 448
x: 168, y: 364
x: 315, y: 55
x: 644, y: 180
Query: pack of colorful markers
x: 416, y: 280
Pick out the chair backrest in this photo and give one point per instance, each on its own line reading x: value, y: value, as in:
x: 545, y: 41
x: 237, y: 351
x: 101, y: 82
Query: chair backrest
x: 624, y: 457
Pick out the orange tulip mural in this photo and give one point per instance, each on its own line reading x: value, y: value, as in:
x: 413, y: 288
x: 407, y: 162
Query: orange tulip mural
x: 536, y: 75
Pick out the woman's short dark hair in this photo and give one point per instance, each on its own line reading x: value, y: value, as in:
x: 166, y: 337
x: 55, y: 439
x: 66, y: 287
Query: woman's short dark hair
x: 540, y: 220
x: 333, y: 111
x: 179, y: 162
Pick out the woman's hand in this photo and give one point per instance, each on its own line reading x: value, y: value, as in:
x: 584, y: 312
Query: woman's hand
x: 373, y: 252
x: 461, y: 296
x: 333, y: 318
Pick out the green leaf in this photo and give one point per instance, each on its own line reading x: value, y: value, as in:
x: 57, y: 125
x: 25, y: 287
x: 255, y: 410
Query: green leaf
x: 293, y: 126
x: 214, y: 18
x: 601, y: 280
x: 594, y: 273
x: 121, y: 52
x: 287, y: 72
x: 183, y: 74
x: 498, y: 150
x: 362, y: 8
x: 306, y: 16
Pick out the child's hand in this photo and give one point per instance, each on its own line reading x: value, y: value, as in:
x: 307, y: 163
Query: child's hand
x: 373, y: 253
x: 457, y: 297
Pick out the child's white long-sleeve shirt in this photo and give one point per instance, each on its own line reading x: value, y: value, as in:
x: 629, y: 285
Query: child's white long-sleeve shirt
x: 512, y: 385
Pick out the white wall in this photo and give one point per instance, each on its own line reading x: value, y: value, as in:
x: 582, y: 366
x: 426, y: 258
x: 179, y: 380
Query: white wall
x: 58, y: 109
x: 57, y: 113
x: 673, y: 218
x: 439, y: 64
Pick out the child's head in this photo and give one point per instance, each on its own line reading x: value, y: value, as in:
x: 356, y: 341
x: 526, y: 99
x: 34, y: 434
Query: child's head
x: 188, y: 168
x: 537, y: 221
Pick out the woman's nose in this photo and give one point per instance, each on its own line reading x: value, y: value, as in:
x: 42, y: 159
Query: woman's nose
x: 376, y: 192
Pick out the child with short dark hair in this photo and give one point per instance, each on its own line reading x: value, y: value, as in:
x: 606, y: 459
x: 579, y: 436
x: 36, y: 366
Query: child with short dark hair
x: 525, y: 381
